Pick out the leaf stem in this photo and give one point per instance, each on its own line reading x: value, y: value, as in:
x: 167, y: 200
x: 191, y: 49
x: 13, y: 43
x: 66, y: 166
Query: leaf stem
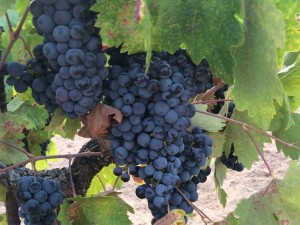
x: 211, y: 91
x: 15, y: 37
x: 202, y: 214
x: 71, y: 179
x: 289, y: 145
x: 259, y: 150
x: 115, y: 184
x: 26, y: 46
x: 19, y: 149
x: 211, y: 101
x: 101, y: 182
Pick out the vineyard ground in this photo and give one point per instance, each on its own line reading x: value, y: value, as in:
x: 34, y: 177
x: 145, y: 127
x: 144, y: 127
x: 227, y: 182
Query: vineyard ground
x: 237, y: 185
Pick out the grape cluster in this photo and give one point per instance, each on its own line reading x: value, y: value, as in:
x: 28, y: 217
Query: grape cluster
x: 38, y: 198
x: 18, y: 77
x: 154, y: 131
x: 231, y: 162
x: 68, y: 69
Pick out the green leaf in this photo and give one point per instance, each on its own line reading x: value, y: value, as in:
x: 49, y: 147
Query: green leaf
x: 230, y: 220
x: 11, y: 133
x: 207, y: 122
x: 13, y: 17
x: 14, y: 104
x: 100, y: 210
x: 219, y: 177
x: 256, y: 82
x: 52, y: 150
x: 283, y: 119
x: 3, y: 219
x: 290, y: 58
x: 291, y: 82
x: 278, y: 204
x: 290, y: 135
x: 244, y: 147
x: 168, y: 26
x: 218, y: 144
x: 5, y: 5
x: 32, y: 117
x: 102, y: 179
x: 71, y: 127
x: 290, y: 9
x: 56, y: 122
x: 3, y: 191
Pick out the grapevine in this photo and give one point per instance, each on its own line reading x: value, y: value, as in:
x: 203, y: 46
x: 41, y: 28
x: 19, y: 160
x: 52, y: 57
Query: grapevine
x: 169, y: 95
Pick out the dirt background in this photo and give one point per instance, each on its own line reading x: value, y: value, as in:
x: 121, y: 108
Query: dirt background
x: 237, y: 185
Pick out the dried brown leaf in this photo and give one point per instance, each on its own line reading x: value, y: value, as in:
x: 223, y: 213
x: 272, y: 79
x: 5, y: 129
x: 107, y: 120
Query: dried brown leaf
x: 99, y: 120
x: 174, y: 217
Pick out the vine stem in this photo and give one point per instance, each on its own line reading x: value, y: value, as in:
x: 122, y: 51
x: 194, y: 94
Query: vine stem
x: 101, y: 181
x: 211, y: 101
x: 26, y: 46
x: 289, y: 145
x: 259, y: 150
x: 71, y: 178
x: 35, y: 159
x: 115, y: 184
x: 16, y: 34
x: 207, y: 94
x: 202, y: 214
x: 19, y: 149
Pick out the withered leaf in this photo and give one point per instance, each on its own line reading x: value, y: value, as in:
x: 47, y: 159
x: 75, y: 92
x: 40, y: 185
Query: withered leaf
x: 99, y: 120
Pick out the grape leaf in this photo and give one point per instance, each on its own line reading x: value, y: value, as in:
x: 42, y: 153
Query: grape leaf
x: 278, y: 204
x: 218, y: 144
x: 255, y: 72
x: 13, y: 17
x: 11, y: 132
x: 14, y: 104
x: 100, y: 210
x: 174, y: 217
x: 290, y: 81
x: 207, y: 122
x: 5, y: 5
x: 290, y: 10
x: 3, y: 219
x: 244, y: 147
x: 290, y: 135
x: 283, y: 119
x: 3, y: 191
x: 219, y: 177
x: 99, y: 120
x: 32, y: 117
x: 230, y: 220
x: 290, y: 58
x: 102, y: 179
x: 71, y: 127
x: 205, y: 28
x: 56, y: 122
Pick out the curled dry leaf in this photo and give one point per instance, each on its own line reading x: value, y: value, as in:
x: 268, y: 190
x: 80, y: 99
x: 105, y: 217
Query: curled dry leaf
x: 174, y: 217
x: 137, y: 180
x: 99, y: 120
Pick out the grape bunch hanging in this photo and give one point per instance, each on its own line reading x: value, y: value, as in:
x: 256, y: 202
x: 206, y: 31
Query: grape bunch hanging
x: 38, y: 199
x: 68, y: 69
x: 154, y: 141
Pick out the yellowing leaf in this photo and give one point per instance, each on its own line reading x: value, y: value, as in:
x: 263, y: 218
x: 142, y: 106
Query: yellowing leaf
x: 174, y: 217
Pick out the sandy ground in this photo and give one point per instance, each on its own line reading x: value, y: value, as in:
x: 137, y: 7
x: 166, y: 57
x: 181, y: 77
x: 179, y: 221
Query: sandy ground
x: 237, y: 185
